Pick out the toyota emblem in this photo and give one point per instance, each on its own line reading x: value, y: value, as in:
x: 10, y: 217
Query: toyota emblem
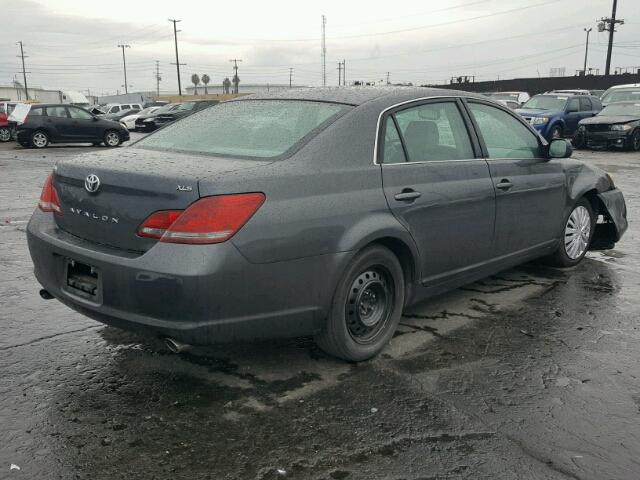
x: 92, y: 183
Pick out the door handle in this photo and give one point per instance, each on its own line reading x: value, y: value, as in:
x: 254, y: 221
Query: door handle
x: 504, y: 185
x: 407, y: 195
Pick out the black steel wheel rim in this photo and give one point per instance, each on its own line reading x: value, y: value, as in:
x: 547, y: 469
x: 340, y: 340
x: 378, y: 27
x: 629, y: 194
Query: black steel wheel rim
x: 369, y: 304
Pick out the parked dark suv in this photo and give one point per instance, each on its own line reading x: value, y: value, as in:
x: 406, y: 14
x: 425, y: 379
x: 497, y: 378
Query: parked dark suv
x: 56, y: 123
x: 556, y: 114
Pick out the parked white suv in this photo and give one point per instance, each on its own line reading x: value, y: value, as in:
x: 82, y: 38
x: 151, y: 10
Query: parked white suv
x: 118, y: 107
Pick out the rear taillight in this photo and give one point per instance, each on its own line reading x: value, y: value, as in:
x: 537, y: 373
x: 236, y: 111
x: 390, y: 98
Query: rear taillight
x: 209, y: 220
x: 49, y: 201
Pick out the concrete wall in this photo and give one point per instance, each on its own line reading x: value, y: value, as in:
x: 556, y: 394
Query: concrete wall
x: 541, y: 85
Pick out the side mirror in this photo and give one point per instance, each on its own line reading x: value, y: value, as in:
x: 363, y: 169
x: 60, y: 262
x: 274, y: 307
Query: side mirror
x: 560, y: 148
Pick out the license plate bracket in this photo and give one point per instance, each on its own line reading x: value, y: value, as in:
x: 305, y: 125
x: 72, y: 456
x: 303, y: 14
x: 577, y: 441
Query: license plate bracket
x: 82, y: 280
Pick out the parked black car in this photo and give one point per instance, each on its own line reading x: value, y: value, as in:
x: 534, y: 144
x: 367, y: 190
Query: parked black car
x: 617, y: 125
x: 146, y: 123
x: 57, y: 123
x: 183, y: 110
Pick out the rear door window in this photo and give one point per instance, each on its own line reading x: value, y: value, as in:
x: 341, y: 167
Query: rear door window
x: 434, y: 132
x: 60, y: 112
x: 393, y: 150
x: 79, y: 114
x: 585, y: 104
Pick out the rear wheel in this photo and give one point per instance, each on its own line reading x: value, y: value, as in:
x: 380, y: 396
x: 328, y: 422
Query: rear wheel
x: 112, y: 139
x: 5, y: 134
x: 366, y: 307
x: 39, y: 139
x: 576, y: 236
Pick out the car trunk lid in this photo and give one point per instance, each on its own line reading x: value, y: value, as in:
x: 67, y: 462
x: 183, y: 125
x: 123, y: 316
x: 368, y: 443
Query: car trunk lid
x: 130, y: 184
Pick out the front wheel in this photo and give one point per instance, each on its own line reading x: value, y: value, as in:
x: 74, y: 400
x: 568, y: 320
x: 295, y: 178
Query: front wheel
x: 5, y: 134
x: 112, y: 139
x: 556, y: 132
x: 366, y: 307
x: 576, y: 236
x: 634, y: 144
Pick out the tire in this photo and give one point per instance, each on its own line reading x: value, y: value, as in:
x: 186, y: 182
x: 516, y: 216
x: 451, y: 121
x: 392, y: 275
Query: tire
x: 5, y: 134
x: 39, y: 139
x: 366, y: 306
x: 570, y: 253
x: 579, y: 141
x: 555, y: 132
x: 112, y: 138
x: 634, y: 143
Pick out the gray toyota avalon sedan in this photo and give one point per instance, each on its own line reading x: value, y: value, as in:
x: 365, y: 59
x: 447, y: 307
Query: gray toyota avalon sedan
x: 317, y: 212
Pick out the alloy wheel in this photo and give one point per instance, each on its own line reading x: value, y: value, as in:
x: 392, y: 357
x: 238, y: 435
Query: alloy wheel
x: 112, y: 139
x: 5, y: 134
x: 577, y: 232
x: 636, y: 141
x: 40, y: 140
x: 369, y: 304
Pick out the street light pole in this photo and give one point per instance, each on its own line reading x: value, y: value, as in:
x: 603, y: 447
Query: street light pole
x: 586, y: 51
x: 124, y: 63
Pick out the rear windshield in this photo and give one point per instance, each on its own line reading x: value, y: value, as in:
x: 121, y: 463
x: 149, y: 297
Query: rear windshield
x: 621, y: 95
x: 248, y: 128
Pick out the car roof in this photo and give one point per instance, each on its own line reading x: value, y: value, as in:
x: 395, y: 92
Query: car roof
x: 625, y: 102
x: 627, y: 85
x: 360, y: 95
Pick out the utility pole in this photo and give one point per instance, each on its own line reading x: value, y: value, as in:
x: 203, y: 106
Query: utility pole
x: 24, y: 73
x: 177, y: 64
x: 236, y: 79
x: 158, y: 78
x: 124, y: 62
x: 586, y: 51
x: 388, y: 82
x: 323, y: 51
x: 290, y: 75
x: 609, y: 24
x: 339, y: 73
x: 344, y: 72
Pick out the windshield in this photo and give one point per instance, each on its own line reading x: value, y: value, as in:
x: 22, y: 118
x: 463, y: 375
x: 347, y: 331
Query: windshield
x: 546, y: 102
x: 624, y: 109
x: 249, y: 128
x: 627, y: 94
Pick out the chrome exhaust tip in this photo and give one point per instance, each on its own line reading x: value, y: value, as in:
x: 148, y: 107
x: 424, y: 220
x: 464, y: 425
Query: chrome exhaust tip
x: 176, y: 347
x: 45, y: 295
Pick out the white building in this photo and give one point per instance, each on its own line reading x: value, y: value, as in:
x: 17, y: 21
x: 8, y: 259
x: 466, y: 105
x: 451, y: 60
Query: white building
x: 16, y: 93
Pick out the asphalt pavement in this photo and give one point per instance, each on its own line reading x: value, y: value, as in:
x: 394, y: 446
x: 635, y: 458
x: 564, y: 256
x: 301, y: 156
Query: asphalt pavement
x: 529, y: 374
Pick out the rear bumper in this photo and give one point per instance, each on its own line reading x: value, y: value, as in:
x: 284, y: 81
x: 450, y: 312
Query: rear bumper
x: 198, y: 294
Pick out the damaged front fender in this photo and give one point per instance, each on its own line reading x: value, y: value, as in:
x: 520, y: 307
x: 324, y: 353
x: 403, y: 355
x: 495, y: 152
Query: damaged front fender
x: 615, y: 220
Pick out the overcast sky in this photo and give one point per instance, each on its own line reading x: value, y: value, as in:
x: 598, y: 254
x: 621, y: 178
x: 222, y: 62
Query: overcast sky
x: 72, y: 44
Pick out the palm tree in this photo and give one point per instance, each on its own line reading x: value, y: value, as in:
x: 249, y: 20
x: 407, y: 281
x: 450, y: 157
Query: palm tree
x: 205, y: 80
x: 195, y: 79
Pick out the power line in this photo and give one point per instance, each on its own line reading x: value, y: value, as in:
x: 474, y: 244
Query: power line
x: 24, y: 73
x: 236, y: 78
x: 158, y: 78
x: 323, y: 51
x: 124, y: 63
x: 177, y: 64
x: 609, y: 24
